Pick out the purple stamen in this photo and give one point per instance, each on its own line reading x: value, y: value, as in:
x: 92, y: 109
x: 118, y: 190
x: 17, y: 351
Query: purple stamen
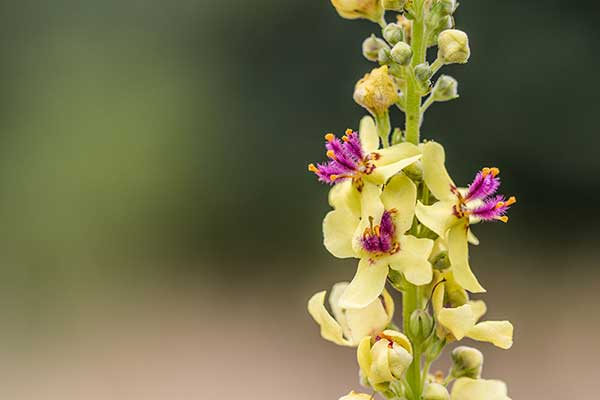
x: 484, y: 185
x: 346, y: 160
x: 380, y: 239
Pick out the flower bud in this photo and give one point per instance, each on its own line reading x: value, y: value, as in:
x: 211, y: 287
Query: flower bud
x: 371, y: 47
x: 353, y: 9
x: 453, y: 47
x: 385, y: 360
x: 435, y: 391
x: 376, y: 91
x: 420, y: 326
x: 384, y: 57
x: 402, y: 53
x: 440, y: 261
x: 423, y: 72
x: 447, y: 7
x: 393, y: 33
x: 356, y: 396
x: 445, y: 89
x: 394, y: 5
x: 467, y: 362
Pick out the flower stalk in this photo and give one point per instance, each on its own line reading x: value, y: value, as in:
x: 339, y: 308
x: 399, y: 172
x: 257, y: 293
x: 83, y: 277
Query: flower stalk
x: 396, y: 209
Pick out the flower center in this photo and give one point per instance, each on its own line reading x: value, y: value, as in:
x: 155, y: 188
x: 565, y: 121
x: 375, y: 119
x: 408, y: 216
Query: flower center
x: 346, y: 160
x: 483, y: 190
x: 379, y: 240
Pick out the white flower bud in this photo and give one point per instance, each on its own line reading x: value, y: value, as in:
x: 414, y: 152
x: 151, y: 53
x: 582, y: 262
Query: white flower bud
x: 435, y: 391
x: 402, y: 53
x: 467, y: 362
x: 445, y: 89
x: 393, y: 33
x: 423, y: 72
x: 453, y: 47
x: 371, y: 47
x: 386, y: 359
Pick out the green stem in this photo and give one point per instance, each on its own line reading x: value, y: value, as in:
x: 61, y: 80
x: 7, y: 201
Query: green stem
x: 413, y: 95
x: 382, y: 122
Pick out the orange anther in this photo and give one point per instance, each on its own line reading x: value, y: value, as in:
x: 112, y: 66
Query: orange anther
x: 503, y: 218
x: 330, y: 137
x: 331, y: 154
x: 349, y: 131
x: 511, y: 200
x: 312, y: 168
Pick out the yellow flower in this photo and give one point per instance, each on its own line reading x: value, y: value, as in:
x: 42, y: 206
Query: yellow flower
x: 378, y: 237
x: 479, y: 389
x: 453, y: 47
x: 356, y: 159
x: 354, y: 9
x: 376, y: 91
x: 456, y: 209
x: 348, y: 326
x: 460, y: 320
x: 386, y: 359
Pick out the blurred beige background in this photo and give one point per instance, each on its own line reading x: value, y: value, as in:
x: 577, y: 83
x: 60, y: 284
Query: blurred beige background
x: 159, y: 234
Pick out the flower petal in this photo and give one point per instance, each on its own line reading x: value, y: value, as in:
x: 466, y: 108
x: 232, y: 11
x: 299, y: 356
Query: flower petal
x: 395, y: 153
x: 371, y: 208
x: 384, y: 172
x: 458, y: 321
x: 401, y: 194
x: 367, y: 285
x: 363, y: 355
x: 412, y: 260
x: 500, y: 333
x: 438, y: 217
x: 458, y: 251
x: 478, y: 389
x: 338, y: 312
x: 434, y: 171
x: 356, y: 396
x: 330, y: 329
x: 474, y: 240
x: 339, y: 227
x: 345, y: 195
x: 479, y: 308
x: 369, y: 139
x: 367, y: 321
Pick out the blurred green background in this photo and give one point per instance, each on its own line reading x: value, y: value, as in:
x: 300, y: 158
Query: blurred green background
x: 160, y: 235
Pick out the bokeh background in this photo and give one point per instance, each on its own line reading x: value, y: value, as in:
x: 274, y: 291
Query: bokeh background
x: 159, y: 233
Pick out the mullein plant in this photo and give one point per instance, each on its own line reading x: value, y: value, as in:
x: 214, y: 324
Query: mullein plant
x: 398, y: 212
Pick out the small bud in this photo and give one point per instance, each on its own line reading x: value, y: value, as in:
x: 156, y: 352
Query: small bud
x: 420, y: 326
x: 402, y: 53
x: 445, y: 89
x: 435, y: 391
x: 371, y: 47
x: 376, y: 91
x: 353, y: 9
x: 447, y: 7
x: 384, y: 57
x: 393, y: 33
x: 423, y: 72
x: 453, y: 47
x: 440, y: 261
x: 467, y: 362
x: 394, y: 5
